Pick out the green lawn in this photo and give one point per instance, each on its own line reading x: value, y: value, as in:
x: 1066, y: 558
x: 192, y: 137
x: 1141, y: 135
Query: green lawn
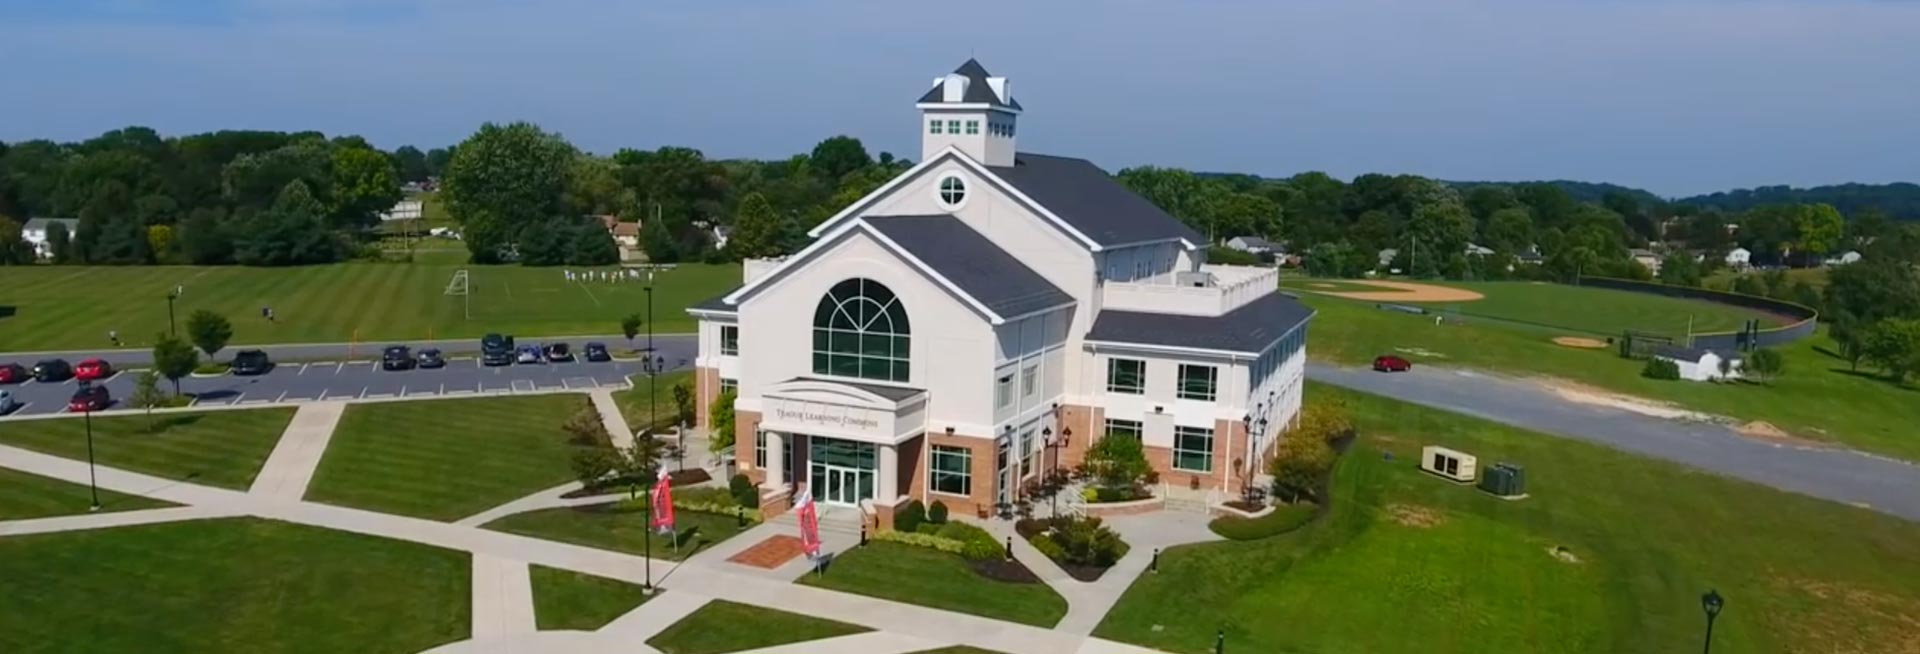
x: 722, y: 626
x: 564, y: 599
x: 1591, y: 309
x: 236, y: 585
x: 61, y: 307
x: 1817, y: 398
x: 24, y: 496
x: 1407, y: 562
x: 446, y: 459
x: 635, y: 407
x: 215, y: 448
x: 621, y: 527
x: 928, y: 577
x: 957, y: 649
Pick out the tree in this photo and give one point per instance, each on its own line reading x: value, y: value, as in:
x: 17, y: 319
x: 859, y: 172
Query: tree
x: 592, y: 245
x: 147, y: 395
x: 1117, y: 461
x: 14, y: 248
x: 1679, y: 269
x: 364, y: 184
x: 683, y: 403
x: 411, y: 164
x: 591, y: 465
x: 1765, y: 364
x: 640, y: 461
x: 1865, y: 293
x: 630, y: 327
x: 504, y: 179
x: 59, y: 243
x: 1509, y: 230
x: 290, y: 232
x: 210, y: 331
x: 840, y: 155
x: 203, y: 238
x: 1893, y: 345
x: 756, y: 229
x: 720, y: 421
x: 174, y: 358
x: 545, y: 243
x: 585, y: 426
x: 1300, y: 465
x: 1819, y: 228
x: 658, y: 242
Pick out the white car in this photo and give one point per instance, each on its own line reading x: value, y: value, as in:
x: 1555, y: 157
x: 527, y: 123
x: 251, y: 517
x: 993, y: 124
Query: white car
x: 7, y: 405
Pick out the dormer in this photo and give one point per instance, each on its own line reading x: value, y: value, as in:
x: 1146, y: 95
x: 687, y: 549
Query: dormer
x: 971, y: 110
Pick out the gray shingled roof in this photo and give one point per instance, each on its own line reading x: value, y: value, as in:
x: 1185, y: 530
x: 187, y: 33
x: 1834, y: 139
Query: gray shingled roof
x: 717, y: 304
x: 1092, y: 201
x: 977, y: 89
x: 981, y: 269
x: 1250, y: 328
x: 895, y: 393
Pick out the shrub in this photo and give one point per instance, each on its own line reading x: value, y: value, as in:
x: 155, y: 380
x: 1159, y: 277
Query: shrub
x: 1764, y: 364
x: 591, y: 464
x: 1283, y: 519
x: 705, y: 494
x: 1047, y: 547
x: 1117, y: 461
x: 1089, y: 495
x: 1080, y: 541
x: 976, y: 543
x: 937, y: 512
x: 1300, y: 466
x: 910, y: 516
x: 744, y: 494
x: 931, y: 541
x: 1658, y: 368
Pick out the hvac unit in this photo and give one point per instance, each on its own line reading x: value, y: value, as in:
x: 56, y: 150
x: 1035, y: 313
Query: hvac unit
x: 1454, y: 465
x: 1505, y: 480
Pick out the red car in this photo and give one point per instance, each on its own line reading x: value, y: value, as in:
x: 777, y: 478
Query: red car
x: 1391, y: 363
x: 12, y: 373
x: 92, y: 369
x: 89, y: 398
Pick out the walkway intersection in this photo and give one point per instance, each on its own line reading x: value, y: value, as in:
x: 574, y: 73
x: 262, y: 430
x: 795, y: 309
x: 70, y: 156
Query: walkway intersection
x: 503, y: 613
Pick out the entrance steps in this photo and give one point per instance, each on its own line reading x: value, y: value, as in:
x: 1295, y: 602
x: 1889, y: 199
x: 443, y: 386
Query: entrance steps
x: 1186, y: 500
x: 833, y: 519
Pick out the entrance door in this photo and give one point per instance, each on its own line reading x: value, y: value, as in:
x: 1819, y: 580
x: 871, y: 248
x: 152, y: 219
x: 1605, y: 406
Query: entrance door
x: 841, y: 485
x: 840, y: 472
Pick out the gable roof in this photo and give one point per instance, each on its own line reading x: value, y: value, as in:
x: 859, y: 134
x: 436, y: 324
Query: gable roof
x: 1250, y: 329
x: 977, y: 91
x: 716, y: 304
x: 981, y: 269
x: 1093, y: 202
x: 40, y: 224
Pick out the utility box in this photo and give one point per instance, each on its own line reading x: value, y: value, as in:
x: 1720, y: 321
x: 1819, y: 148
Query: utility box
x: 1451, y: 464
x: 1505, y: 480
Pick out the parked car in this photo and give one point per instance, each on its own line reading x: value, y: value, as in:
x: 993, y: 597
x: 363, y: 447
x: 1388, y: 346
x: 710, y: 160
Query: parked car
x: 251, y: 362
x: 92, y: 369
x: 7, y: 404
x: 430, y: 358
x: 13, y: 373
x: 396, y: 357
x: 528, y: 354
x: 558, y: 352
x: 90, y: 397
x: 52, y: 370
x: 496, y: 350
x: 598, y: 352
x: 1391, y: 363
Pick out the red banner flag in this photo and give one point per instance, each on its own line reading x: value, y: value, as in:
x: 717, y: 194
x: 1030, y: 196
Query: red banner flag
x: 809, y: 525
x: 663, y: 504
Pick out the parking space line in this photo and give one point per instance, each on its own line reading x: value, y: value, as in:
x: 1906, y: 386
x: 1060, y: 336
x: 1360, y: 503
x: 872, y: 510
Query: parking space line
x: 323, y: 393
x: 303, y: 369
x: 116, y: 374
x: 323, y: 363
x: 19, y: 409
x: 282, y: 398
x: 403, y: 389
x: 338, y: 368
x: 236, y: 398
x: 375, y: 396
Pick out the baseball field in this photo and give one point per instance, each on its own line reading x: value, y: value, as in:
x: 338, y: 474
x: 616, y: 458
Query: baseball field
x: 1575, y: 309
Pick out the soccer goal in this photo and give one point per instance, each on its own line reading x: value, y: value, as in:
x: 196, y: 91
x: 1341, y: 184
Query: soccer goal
x: 460, y: 286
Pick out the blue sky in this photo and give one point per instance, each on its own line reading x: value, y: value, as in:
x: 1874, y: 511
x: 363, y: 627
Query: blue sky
x: 1677, y: 97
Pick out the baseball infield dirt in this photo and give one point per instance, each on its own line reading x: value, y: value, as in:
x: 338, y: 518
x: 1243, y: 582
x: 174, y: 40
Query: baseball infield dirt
x: 1406, y: 292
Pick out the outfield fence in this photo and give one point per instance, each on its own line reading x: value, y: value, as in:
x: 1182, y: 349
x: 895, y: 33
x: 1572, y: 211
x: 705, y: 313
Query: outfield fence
x: 1804, y: 319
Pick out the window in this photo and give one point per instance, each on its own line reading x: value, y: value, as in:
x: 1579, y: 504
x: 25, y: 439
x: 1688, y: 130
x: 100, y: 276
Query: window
x: 1003, y: 392
x: 1028, y: 437
x: 1197, y: 382
x: 759, y: 449
x: 1029, y: 381
x: 953, y: 127
x: 953, y: 191
x: 730, y: 340
x: 933, y: 126
x: 729, y: 385
x: 1126, y: 376
x: 973, y: 127
x: 1193, y: 449
x: 860, y: 330
x: 952, y: 470
x: 1127, y: 428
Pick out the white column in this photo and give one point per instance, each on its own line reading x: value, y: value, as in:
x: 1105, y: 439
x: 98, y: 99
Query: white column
x: 776, y: 462
x: 889, y: 487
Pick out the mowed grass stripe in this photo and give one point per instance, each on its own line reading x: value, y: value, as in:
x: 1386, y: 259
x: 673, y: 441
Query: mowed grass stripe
x: 446, y: 459
x: 25, y: 496
x: 215, y: 448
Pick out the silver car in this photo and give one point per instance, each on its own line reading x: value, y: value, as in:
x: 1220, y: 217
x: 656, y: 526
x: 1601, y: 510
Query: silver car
x: 7, y: 405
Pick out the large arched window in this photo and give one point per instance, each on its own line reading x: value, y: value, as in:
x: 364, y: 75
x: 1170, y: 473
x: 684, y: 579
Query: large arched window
x: 860, y: 330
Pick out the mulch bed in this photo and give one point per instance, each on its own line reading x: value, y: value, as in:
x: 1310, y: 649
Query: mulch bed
x: 1006, y: 570
x: 1244, y: 505
x: 1086, y: 573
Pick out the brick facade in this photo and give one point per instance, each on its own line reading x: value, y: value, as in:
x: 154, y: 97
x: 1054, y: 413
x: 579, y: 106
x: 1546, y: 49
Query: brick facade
x: 706, y: 387
x: 981, y: 474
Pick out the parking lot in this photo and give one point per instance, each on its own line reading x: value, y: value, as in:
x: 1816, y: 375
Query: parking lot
x: 327, y: 380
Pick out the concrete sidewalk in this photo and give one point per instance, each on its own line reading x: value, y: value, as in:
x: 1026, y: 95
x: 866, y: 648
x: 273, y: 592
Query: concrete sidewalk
x: 502, y: 597
x: 290, y: 468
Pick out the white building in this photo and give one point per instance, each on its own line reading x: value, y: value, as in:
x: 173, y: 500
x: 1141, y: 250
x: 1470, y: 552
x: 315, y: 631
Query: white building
x: 1844, y: 258
x: 1253, y: 245
x: 1700, y: 364
x: 405, y: 210
x: 34, y: 232
x: 1739, y: 258
x: 986, y: 315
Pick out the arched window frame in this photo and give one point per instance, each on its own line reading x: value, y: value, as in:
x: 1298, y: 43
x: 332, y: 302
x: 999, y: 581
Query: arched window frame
x: 861, y: 330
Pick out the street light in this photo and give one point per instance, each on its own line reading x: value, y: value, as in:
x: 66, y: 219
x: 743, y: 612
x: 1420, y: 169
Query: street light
x: 1711, y: 603
x: 172, y: 295
x: 86, y: 409
x: 652, y: 419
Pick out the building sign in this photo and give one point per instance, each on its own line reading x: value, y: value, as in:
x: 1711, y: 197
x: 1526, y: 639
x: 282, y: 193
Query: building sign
x: 828, y: 420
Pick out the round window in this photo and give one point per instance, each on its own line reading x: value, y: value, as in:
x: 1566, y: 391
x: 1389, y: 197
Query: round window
x: 953, y: 191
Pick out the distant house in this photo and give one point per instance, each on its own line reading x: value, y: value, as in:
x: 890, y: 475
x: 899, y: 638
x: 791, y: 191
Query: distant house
x: 405, y: 210
x: 1387, y: 256
x: 1253, y: 245
x: 35, y: 233
x: 1739, y: 258
x: 1478, y: 250
x: 1844, y: 258
x: 1531, y: 256
x: 1700, y: 364
x: 1646, y: 258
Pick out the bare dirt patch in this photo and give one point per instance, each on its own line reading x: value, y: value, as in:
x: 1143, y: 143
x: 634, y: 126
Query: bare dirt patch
x: 1416, y: 516
x: 1852, y: 620
x: 1584, y: 394
x: 1322, y: 285
x: 1563, y: 554
x: 1766, y: 431
x: 1580, y: 342
x: 1406, y: 292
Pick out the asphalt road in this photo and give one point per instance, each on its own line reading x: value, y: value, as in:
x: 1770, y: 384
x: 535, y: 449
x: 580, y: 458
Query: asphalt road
x: 337, y: 378
x: 1883, y: 484
x: 677, y: 349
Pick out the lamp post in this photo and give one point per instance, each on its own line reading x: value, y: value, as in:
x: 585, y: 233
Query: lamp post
x: 93, y: 485
x: 173, y: 329
x: 651, y: 370
x: 1710, y: 603
x: 647, y: 544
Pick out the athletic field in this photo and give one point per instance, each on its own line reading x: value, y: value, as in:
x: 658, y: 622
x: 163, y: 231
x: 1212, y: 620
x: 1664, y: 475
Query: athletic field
x: 1575, y: 308
x: 73, y: 307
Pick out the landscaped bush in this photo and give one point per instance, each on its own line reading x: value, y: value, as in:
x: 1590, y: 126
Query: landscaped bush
x: 1082, y: 546
x: 1047, y: 547
x: 910, y: 516
x: 941, y: 543
x: 1283, y: 519
x: 976, y: 543
x: 744, y: 493
x: 937, y: 512
x: 1658, y: 368
x: 1116, y: 462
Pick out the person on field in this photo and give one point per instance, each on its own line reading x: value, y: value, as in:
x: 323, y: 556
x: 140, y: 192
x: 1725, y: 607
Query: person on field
x: 114, y: 335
